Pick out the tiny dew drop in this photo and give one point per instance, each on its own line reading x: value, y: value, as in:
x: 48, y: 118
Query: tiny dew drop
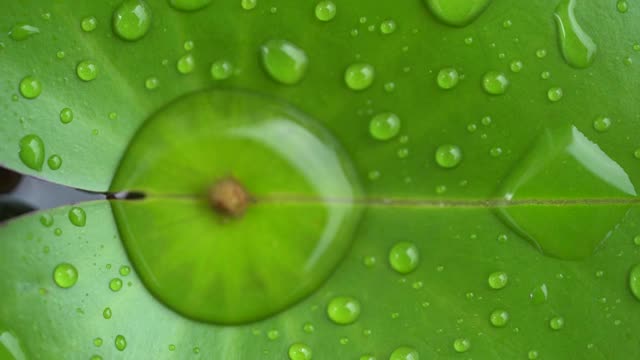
x: 308, y: 328
x: 97, y: 342
x: 172, y: 347
x: 461, y: 345
x: 495, y: 151
x: 556, y: 323
x: 120, y: 343
x: 404, y: 353
x: 545, y: 75
x: 151, y: 83
x: 448, y: 156
x: 273, y: 334
x: 89, y: 24
x: 77, y: 216
x: 299, y: 351
x: 32, y: 152
x: 132, y: 19
x: 555, y: 94
x: 30, y: 87
x: 541, y: 53
x: 189, y: 5
x: 325, y: 10
x: 186, y: 64
x: 57, y: 232
x: 65, y: 275
x: 498, y: 280
x: 54, y: 162
x: 284, y: 61
x: 115, y: 284
x: 359, y: 76
x: 221, y: 70
x: 448, y: 78
x: 60, y: 54
x: 188, y: 45
x: 113, y: 116
x: 533, y: 354
x: 107, y: 313
x: 66, y: 115
x: 384, y: 126
x: 602, y: 123
x: 87, y: 70
x: 388, y: 27
x: 634, y: 280
x: 46, y: 220
x: 248, y: 4
x: 499, y: 318
x: 22, y: 31
x: 343, y: 310
x: 516, y: 66
x: 404, y: 257
x: 495, y: 83
x: 124, y: 270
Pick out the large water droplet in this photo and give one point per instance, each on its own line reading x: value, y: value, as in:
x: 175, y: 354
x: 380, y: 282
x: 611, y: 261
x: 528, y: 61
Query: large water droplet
x: 343, y: 310
x: 325, y: 10
x: 498, y: 280
x: 499, y: 318
x: 578, y: 49
x: 77, y: 216
x: 634, y: 281
x: 461, y: 345
x: 448, y: 156
x: 495, y: 83
x: 32, y: 151
x: 404, y: 257
x: 404, y: 353
x: 359, y: 76
x: 120, y: 343
x: 221, y: 70
x: 284, y: 61
x: 448, y: 78
x: 384, y: 126
x: 87, y: 70
x: 457, y: 12
x: 300, y: 351
x: 65, y: 275
x: 602, y: 124
x: 132, y: 19
x: 66, y: 115
x: 186, y: 64
x: 89, y: 24
x: 30, y: 87
x: 21, y: 31
x: 556, y: 323
x: 189, y: 5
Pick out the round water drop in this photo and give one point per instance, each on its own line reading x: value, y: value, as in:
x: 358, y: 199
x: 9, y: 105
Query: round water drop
x: 448, y: 156
x: 188, y: 45
x: 499, y: 318
x: 151, y: 83
x: 532, y: 355
x: 541, y: 53
x: 495, y: 151
x: 132, y: 19
x: 273, y: 334
x: 448, y: 78
x: 107, y: 313
x: 120, y: 343
x: 22, y: 31
x: 308, y: 328
x: 384, y: 126
x: 77, y: 216
x: 32, y: 152
x: 636, y: 153
x: 172, y: 347
x: 516, y: 66
x: 359, y: 76
x: 87, y: 70
x: 54, y: 162
x: 89, y: 23
x: 60, y: 54
x: 498, y: 280
x: 65, y: 275
x: 634, y: 281
x: 186, y: 64
x: 555, y: 94
x: 495, y: 83
x: 622, y: 6
x: 284, y: 61
x: 367, y: 357
x: 96, y: 357
x: 299, y: 351
x: 66, y: 115
x: 30, y: 87
x: 636, y: 239
x: 343, y: 310
x: 388, y: 27
x: 189, y: 5
x: 248, y: 4
x: 221, y: 70
x: 97, y: 342
x: 46, y: 220
x: 461, y: 345
x: 325, y: 10
x: 115, y: 284
x: 457, y: 12
x: 556, y: 323
x: 404, y: 353
x: 124, y: 270
x: 602, y: 123
x: 404, y: 257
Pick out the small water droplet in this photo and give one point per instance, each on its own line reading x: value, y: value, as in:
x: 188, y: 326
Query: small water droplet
x: 97, y: 342
x: 87, y: 70
x: 516, y: 66
x: 404, y: 353
x: 95, y: 357
x: 30, y: 87
x: 404, y: 257
x: 89, y: 23
x: 468, y: 40
x: 107, y: 313
x: 461, y: 345
x: 367, y: 357
x: 390, y: 87
x: 77, y: 216
x: 196, y: 350
x: 248, y: 4
x: 120, y: 343
x: 32, y: 152
x: 499, y: 318
x: 555, y: 94
x: 132, y: 19
x: 57, y: 232
x: 634, y: 281
x: 66, y: 115
x: 622, y: 6
x: 602, y: 123
x: 556, y: 323
x: 189, y: 5
x: 151, y: 83
x: 46, y: 220
x: 457, y: 13
x: 578, y: 49
x: 448, y: 78
x: 221, y: 70
x: 636, y: 153
x: 115, y: 284
x: 343, y: 310
x: 60, y: 54
x: 498, y: 280
x: 21, y: 31
x: 54, y: 162
x: 545, y: 75
x: 186, y: 64
x: 388, y: 27
x: 541, y: 53
x: 273, y: 334
x: 65, y: 275
x: 495, y: 151
x: 308, y: 328
x: 284, y: 61
x: 124, y: 270
x: 359, y: 76
x: 636, y: 240
x: 495, y: 83
x: 384, y: 126
x: 532, y: 354
x: 448, y: 156
x: 299, y: 351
